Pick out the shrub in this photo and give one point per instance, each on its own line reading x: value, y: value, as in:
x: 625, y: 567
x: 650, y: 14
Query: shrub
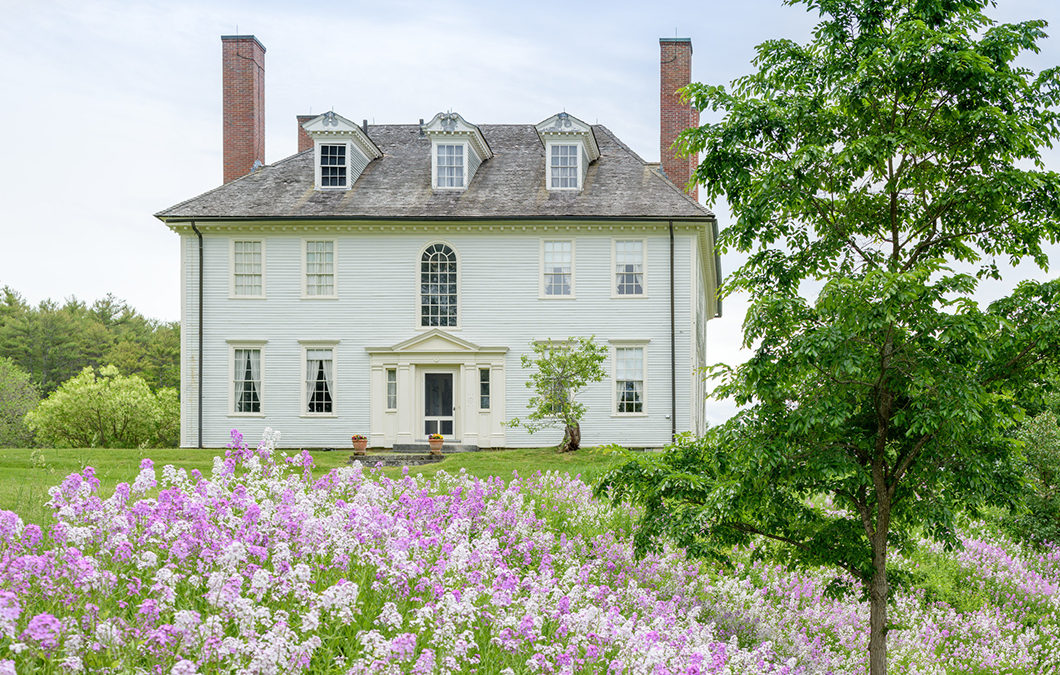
x: 1040, y: 522
x: 18, y: 396
x: 108, y: 411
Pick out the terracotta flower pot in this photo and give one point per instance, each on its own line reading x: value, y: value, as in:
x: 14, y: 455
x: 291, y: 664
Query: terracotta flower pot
x: 436, y: 445
x: 360, y: 446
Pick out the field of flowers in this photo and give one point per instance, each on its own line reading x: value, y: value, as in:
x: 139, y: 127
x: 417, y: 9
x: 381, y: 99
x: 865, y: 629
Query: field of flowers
x: 261, y: 568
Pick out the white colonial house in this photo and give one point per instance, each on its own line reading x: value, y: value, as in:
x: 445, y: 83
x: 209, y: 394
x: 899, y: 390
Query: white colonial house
x: 387, y: 279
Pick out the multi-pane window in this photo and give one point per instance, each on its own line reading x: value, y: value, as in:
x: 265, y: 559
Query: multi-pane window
x: 391, y: 389
x: 333, y: 166
x: 557, y: 267
x: 246, y: 380
x: 450, y: 165
x: 629, y: 267
x: 629, y: 379
x: 246, y: 268
x: 484, y: 388
x: 319, y: 380
x: 438, y: 286
x: 320, y: 268
x: 564, y: 166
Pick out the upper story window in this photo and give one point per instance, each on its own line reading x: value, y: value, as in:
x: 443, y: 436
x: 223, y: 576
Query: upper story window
x: 333, y: 169
x: 248, y: 269
x: 438, y: 286
x: 450, y: 165
x: 557, y: 268
x: 563, y: 166
x: 629, y: 267
x: 320, y: 269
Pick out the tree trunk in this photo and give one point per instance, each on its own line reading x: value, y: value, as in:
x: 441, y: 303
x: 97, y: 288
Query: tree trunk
x: 878, y: 591
x: 572, y: 438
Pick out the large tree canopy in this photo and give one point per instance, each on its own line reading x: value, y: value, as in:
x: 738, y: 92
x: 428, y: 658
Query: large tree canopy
x: 901, y: 140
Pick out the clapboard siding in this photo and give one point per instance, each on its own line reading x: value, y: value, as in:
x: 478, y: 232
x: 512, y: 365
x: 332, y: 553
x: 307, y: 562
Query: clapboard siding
x: 377, y: 305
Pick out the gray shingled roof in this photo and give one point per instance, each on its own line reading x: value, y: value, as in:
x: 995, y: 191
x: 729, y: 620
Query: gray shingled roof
x: 510, y: 185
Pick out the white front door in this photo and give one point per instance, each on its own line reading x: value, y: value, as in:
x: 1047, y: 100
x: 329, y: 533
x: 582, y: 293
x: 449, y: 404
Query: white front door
x: 439, y: 400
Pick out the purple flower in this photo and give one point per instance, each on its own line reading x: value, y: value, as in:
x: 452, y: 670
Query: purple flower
x: 44, y: 629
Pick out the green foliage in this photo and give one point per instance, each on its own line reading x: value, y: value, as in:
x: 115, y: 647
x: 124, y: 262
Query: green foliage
x: 558, y: 372
x: 18, y: 396
x: 901, y: 139
x: 54, y: 342
x: 108, y: 411
x: 1039, y: 520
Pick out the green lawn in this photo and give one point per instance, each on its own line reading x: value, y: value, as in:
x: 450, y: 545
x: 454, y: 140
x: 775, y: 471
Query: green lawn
x: 26, y: 474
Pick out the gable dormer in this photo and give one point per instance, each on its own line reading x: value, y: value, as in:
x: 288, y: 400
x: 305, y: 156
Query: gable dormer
x: 341, y: 151
x: 570, y: 146
x: 457, y: 150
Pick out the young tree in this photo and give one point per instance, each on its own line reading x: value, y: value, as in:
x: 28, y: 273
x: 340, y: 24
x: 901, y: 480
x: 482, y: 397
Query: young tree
x: 17, y: 397
x: 559, y: 371
x: 895, y: 143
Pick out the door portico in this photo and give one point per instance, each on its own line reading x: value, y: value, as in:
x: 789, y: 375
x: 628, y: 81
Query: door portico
x: 436, y: 381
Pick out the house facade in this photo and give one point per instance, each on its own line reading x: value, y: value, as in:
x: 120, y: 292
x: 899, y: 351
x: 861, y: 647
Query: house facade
x: 386, y: 279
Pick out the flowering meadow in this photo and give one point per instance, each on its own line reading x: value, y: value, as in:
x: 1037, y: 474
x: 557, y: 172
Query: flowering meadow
x: 260, y: 568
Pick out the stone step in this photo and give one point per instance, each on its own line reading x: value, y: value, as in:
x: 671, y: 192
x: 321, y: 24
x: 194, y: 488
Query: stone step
x: 423, y: 448
x: 396, y: 459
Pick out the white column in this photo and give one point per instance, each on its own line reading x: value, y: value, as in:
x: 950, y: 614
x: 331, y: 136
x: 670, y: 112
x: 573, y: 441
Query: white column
x: 406, y: 405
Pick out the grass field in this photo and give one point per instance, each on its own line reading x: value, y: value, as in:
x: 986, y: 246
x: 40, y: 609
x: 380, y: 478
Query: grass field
x: 26, y: 474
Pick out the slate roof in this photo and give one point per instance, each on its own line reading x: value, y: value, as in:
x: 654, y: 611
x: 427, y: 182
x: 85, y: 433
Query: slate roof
x: 510, y: 185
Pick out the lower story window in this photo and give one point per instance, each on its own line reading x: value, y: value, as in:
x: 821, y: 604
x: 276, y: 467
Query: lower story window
x: 484, y: 388
x: 320, y: 381
x: 391, y: 389
x: 629, y: 379
x: 246, y: 382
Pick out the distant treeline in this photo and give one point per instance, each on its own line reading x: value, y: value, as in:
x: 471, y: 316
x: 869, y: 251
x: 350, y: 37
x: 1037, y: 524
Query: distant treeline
x: 53, y: 342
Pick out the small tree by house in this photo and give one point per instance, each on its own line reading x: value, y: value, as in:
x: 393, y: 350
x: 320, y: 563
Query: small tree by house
x: 559, y: 371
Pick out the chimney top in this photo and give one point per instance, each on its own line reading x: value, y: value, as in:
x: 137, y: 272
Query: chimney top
x: 675, y: 115
x: 225, y: 38
x: 243, y: 104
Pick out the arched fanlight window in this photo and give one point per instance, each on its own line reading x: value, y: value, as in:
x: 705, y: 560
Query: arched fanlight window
x: 438, y: 286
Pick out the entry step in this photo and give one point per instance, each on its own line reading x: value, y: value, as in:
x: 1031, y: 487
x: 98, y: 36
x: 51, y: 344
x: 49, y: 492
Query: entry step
x: 422, y: 448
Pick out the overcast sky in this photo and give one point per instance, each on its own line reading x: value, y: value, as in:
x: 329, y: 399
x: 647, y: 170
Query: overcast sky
x: 112, y: 110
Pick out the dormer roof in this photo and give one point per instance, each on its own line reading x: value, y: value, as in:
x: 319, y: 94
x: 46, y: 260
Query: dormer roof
x: 564, y: 126
x: 450, y: 125
x: 331, y: 126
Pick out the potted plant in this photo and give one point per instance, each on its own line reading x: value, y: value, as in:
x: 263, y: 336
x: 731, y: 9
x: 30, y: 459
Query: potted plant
x: 360, y: 444
x: 436, y: 441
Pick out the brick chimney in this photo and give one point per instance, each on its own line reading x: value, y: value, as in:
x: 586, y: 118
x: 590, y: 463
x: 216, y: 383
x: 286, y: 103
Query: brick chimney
x: 675, y: 71
x: 305, y: 141
x: 243, y: 85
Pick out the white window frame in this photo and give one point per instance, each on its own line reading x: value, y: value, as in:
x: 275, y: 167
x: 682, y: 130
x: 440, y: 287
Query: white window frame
x: 643, y: 268
x: 319, y: 344
x: 577, y: 171
x: 489, y: 386
x: 416, y: 288
x: 629, y: 344
x: 318, y: 155
x: 434, y: 164
x: 334, y: 269
x: 386, y: 389
x: 232, y: 269
x: 233, y: 345
x: 541, y: 271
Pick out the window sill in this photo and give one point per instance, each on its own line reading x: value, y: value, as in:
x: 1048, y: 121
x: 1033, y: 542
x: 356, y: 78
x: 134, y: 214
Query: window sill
x: 235, y: 414
x: 319, y: 297
x: 444, y: 328
x: 318, y: 416
x: 557, y: 297
x: 629, y: 414
x: 247, y: 297
x: 630, y: 296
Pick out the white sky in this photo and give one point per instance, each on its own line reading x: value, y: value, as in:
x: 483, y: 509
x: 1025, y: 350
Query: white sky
x: 111, y: 111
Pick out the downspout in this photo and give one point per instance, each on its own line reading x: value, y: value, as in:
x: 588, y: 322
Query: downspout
x: 673, y: 345
x: 199, y: 387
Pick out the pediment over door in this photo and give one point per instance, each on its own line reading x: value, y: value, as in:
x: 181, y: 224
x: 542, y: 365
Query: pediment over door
x: 435, y: 341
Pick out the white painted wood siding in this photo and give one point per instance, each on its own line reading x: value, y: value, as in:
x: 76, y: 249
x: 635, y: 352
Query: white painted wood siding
x: 378, y: 304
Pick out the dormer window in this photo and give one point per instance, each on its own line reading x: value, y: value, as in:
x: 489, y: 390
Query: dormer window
x: 449, y: 160
x: 570, y: 146
x: 457, y: 150
x: 342, y: 150
x: 563, y: 166
x: 333, y: 165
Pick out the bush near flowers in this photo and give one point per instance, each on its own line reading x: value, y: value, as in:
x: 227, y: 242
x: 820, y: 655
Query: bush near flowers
x: 259, y: 568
